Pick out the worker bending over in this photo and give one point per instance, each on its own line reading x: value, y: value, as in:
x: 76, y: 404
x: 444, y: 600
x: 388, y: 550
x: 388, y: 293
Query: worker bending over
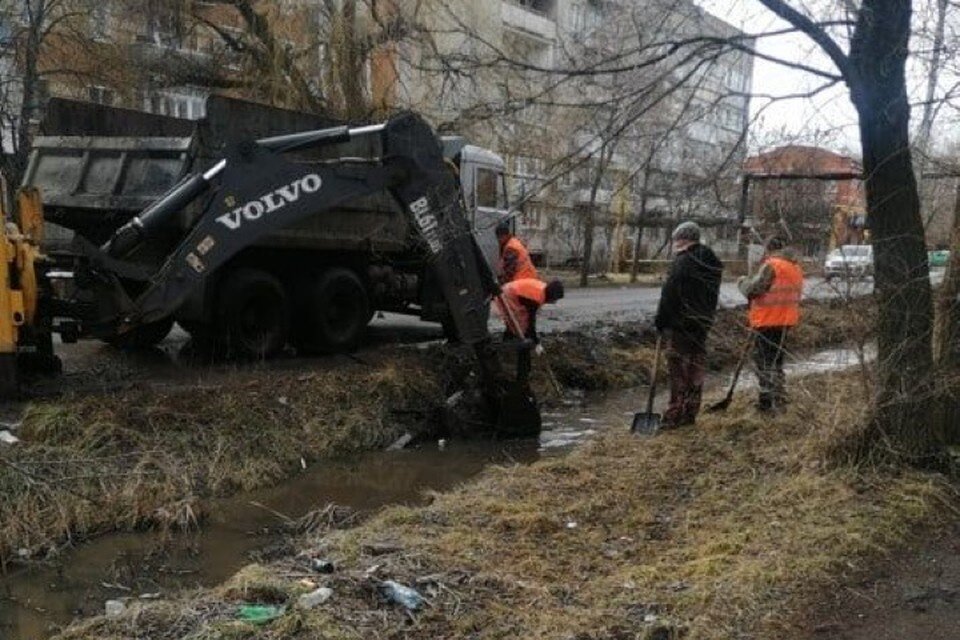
x: 517, y: 305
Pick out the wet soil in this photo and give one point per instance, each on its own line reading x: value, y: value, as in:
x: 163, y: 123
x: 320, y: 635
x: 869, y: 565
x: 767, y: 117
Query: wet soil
x: 912, y: 595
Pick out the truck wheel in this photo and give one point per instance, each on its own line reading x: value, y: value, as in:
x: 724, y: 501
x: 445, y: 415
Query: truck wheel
x: 336, y: 312
x: 142, y: 337
x: 254, y: 315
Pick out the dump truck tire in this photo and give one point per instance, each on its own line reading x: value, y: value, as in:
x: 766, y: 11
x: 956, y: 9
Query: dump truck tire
x: 335, y: 312
x: 254, y: 314
x: 144, y: 336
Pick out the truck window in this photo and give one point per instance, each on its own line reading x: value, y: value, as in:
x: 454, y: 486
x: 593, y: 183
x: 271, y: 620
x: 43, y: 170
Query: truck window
x: 490, y: 191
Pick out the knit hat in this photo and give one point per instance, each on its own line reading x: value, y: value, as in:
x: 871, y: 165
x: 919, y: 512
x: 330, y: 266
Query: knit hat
x: 687, y: 231
x: 554, y: 290
x: 775, y: 243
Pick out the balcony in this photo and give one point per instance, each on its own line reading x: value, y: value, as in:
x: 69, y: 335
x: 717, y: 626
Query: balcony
x: 581, y: 197
x: 530, y: 18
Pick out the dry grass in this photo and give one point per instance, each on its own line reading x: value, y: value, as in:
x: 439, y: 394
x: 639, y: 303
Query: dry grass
x: 103, y: 462
x: 728, y: 530
x: 147, y: 458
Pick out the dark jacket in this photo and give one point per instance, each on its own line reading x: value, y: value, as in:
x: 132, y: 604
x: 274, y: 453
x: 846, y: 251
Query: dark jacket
x: 688, y: 300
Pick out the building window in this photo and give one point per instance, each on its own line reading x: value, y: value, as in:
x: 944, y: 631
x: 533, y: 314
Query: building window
x: 101, y: 95
x: 100, y: 22
x: 185, y: 104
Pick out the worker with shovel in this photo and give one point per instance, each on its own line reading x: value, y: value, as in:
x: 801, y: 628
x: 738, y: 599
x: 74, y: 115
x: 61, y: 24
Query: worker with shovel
x: 688, y: 303
x: 518, y: 304
x: 774, y: 293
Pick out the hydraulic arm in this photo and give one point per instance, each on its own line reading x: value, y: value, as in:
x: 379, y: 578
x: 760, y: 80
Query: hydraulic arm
x: 256, y: 190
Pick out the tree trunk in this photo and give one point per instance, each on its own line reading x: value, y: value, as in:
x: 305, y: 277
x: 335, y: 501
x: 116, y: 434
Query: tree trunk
x: 947, y: 334
x: 641, y: 218
x: 903, y: 420
x: 16, y: 163
x: 588, y: 224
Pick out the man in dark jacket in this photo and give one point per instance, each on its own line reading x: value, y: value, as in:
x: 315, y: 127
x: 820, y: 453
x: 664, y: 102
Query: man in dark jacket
x: 688, y: 303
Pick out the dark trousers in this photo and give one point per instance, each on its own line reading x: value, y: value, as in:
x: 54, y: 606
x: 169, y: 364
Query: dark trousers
x: 686, y: 361
x: 524, y: 361
x: 768, y: 350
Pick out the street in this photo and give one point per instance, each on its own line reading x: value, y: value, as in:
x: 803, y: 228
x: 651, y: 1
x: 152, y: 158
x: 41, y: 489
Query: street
x: 580, y: 309
x: 583, y: 307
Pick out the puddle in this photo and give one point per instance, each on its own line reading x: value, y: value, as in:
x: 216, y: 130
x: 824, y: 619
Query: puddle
x: 35, y: 601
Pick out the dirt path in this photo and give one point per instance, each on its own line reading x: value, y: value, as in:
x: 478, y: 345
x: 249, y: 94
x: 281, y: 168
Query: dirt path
x: 913, y: 595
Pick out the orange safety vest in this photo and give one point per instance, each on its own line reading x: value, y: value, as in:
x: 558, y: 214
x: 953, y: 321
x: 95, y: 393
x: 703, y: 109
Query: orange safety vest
x: 512, y: 293
x: 525, y: 268
x: 780, y: 306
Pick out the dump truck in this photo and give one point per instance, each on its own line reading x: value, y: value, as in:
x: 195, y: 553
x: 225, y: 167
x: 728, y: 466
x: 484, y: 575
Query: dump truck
x: 250, y: 237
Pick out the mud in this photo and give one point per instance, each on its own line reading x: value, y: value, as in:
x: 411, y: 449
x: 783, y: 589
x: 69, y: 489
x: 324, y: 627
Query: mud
x: 912, y: 595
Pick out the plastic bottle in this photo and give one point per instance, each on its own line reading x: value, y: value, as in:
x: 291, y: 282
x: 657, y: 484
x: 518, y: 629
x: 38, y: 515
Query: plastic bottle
x: 402, y: 595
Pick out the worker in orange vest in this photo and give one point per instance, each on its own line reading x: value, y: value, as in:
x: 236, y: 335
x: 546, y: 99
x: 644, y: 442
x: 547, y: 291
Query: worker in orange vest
x: 517, y: 305
x: 774, y: 294
x: 515, y: 262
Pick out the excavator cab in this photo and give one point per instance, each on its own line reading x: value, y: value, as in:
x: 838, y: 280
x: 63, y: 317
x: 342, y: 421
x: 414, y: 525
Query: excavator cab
x: 22, y: 343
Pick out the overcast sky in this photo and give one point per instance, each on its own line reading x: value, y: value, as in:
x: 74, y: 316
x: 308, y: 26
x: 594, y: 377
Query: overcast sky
x: 827, y: 119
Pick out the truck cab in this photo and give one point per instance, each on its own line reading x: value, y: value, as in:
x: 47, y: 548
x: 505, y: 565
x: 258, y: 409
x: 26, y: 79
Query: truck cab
x: 483, y: 183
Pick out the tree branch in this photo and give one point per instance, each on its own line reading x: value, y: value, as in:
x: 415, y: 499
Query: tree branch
x: 815, y: 32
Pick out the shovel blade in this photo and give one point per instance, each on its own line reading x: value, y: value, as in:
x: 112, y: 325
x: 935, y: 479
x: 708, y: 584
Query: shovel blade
x: 719, y: 406
x: 645, y: 423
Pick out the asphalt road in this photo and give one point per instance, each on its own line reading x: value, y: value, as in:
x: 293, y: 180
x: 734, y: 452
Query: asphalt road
x: 584, y: 307
x: 581, y: 308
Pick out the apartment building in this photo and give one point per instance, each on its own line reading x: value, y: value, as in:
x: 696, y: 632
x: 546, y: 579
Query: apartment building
x: 509, y: 74
x: 160, y: 56
x: 503, y: 71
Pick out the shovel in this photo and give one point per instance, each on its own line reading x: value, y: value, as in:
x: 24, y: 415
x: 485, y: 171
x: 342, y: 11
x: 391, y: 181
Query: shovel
x: 649, y: 423
x: 723, y: 404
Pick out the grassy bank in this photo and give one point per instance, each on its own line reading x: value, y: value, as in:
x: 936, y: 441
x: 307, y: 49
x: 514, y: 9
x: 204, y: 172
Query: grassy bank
x: 147, y: 458
x: 727, y: 530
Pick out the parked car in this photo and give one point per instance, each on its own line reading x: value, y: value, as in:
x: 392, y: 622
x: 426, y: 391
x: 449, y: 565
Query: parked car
x: 938, y: 258
x: 849, y: 261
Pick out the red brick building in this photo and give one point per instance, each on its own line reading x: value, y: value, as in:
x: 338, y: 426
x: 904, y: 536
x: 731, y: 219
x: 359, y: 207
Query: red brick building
x: 817, y: 214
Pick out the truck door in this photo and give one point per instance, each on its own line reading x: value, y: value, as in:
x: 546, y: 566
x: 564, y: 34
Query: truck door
x: 489, y: 208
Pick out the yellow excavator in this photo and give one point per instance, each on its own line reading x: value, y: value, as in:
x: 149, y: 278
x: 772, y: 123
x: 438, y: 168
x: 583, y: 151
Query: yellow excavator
x: 19, y: 293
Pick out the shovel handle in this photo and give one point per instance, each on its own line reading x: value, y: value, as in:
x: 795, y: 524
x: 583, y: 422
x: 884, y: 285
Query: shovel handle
x: 739, y: 369
x: 653, y: 376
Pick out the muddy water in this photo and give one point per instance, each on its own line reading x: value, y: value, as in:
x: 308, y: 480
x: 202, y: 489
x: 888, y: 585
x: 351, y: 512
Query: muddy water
x: 35, y: 602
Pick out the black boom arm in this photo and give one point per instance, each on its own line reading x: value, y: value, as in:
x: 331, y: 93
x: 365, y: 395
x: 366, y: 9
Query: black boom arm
x: 258, y: 191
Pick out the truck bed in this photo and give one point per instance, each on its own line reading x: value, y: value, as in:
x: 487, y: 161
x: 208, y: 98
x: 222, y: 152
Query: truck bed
x: 98, y: 166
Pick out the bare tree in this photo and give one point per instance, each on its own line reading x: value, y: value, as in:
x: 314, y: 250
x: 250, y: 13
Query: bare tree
x: 874, y: 71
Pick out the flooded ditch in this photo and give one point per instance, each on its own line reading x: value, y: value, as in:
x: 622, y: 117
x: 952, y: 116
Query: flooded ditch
x: 37, y: 600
